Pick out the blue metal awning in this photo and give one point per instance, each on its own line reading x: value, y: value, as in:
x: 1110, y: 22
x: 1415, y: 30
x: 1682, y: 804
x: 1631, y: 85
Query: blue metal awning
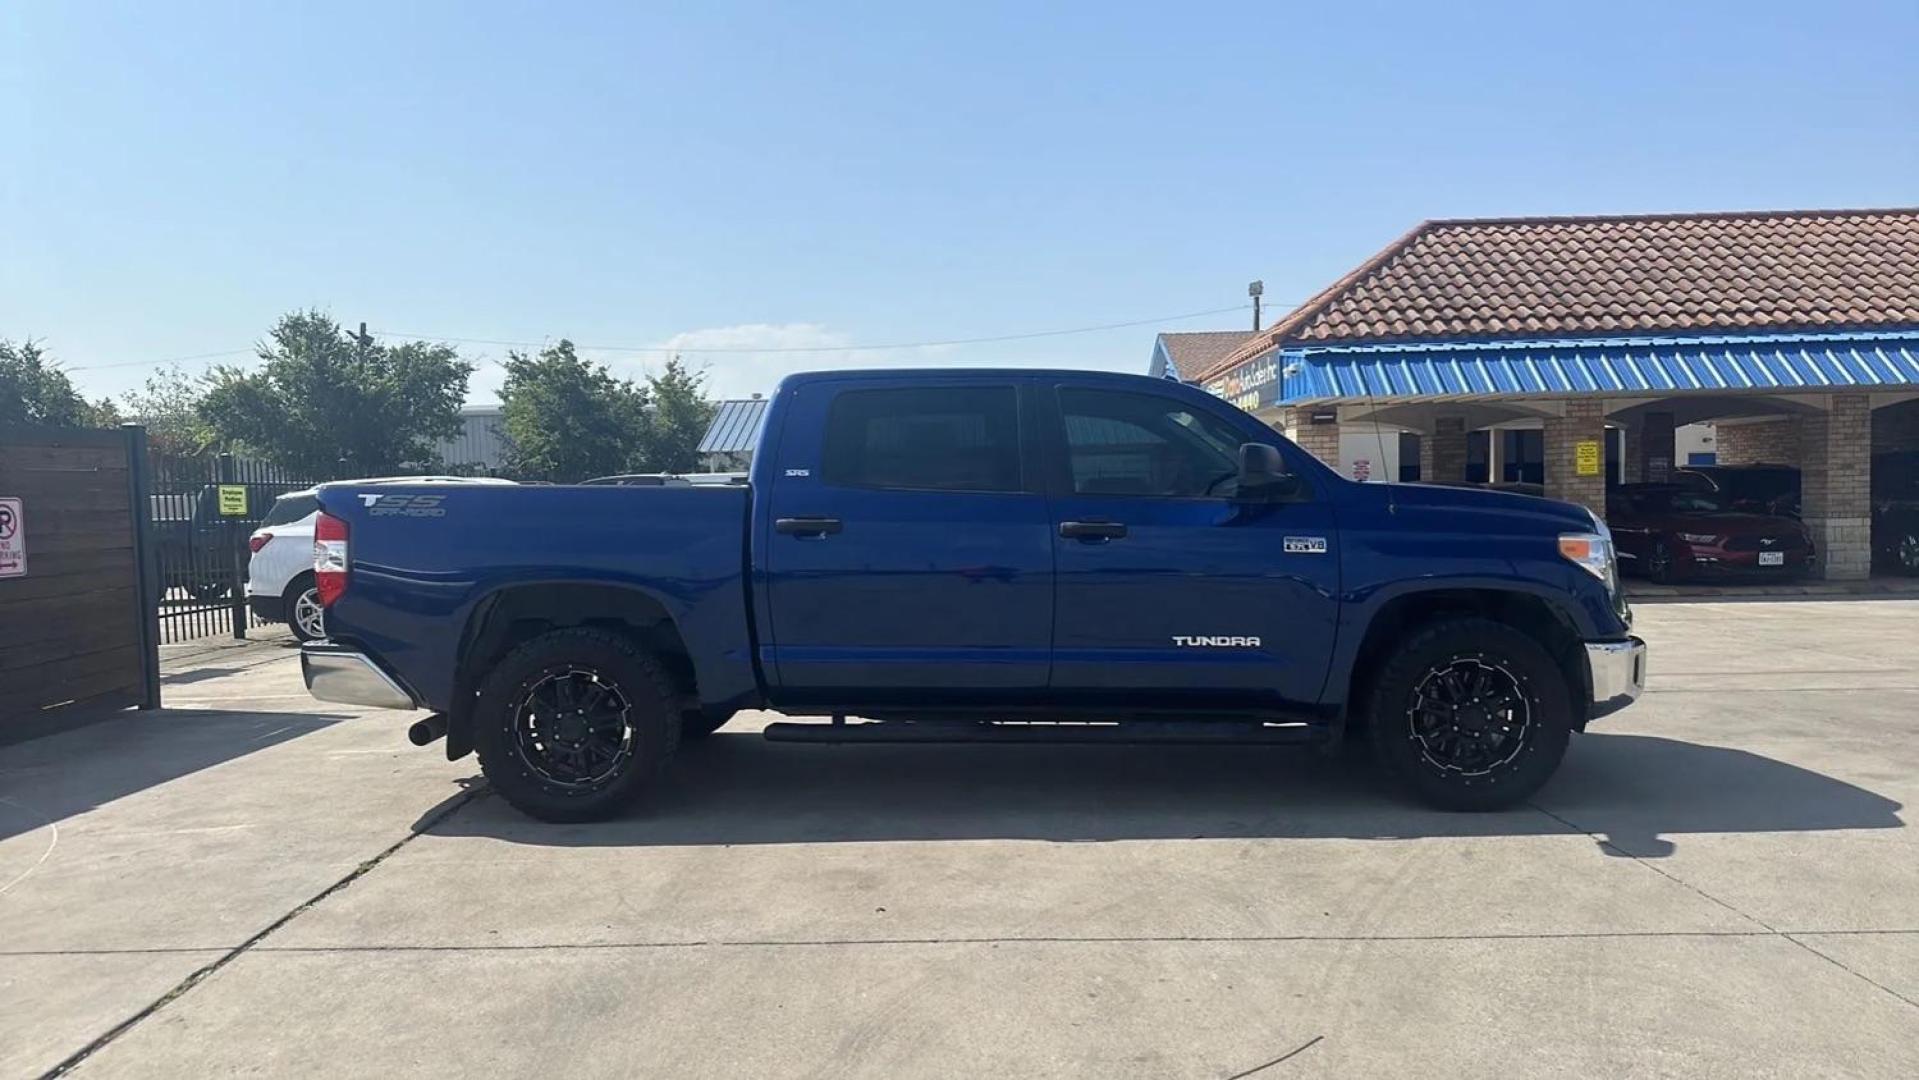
x: 735, y: 428
x: 1558, y: 368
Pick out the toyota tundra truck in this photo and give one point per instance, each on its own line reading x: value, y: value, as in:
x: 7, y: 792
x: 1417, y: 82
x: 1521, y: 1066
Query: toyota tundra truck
x: 1008, y: 556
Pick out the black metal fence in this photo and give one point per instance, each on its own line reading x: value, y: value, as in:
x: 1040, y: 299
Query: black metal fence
x: 202, y: 511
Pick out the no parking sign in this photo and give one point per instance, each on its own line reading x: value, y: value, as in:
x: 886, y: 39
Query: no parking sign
x: 13, y: 538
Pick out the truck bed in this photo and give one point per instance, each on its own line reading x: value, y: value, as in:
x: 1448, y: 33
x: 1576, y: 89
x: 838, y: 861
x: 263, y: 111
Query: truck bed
x: 416, y: 563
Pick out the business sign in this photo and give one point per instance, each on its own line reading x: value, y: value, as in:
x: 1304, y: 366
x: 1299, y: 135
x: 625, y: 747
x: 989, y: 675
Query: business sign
x: 13, y: 538
x: 233, y: 500
x: 1586, y: 458
x: 1251, y: 385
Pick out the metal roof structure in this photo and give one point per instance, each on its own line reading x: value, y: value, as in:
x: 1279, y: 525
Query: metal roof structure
x: 735, y: 428
x: 1610, y: 366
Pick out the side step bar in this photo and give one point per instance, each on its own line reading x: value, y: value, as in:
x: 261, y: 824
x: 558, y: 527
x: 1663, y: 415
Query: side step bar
x: 1202, y: 732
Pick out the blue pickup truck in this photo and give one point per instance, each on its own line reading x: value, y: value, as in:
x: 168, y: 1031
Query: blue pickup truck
x: 978, y: 556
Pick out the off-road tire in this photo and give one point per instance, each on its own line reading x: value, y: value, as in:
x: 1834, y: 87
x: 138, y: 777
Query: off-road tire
x: 653, y: 715
x: 1541, y: 682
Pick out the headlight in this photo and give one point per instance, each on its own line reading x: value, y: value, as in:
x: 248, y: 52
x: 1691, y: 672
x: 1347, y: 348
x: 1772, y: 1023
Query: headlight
x: 1698, y: 538
x: 1593, y: 552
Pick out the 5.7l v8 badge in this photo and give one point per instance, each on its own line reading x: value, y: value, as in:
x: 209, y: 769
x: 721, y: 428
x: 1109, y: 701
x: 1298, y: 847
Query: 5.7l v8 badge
x: 1305, y: 545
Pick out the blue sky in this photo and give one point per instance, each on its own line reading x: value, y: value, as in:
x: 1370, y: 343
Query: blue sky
x: 782, y: 176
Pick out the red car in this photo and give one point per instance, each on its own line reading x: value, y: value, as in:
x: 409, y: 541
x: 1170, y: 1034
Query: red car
x: 1670, y: 533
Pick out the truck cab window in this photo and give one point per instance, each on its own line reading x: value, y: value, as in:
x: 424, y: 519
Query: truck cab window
x: 1121, y: 443
x: 951, y: 438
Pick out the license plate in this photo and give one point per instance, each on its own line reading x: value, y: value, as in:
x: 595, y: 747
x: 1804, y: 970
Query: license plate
x: 1772, y: 558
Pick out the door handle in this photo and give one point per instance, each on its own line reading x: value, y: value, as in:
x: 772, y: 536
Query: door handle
x: 807, y: 526
x: 1100, y: 531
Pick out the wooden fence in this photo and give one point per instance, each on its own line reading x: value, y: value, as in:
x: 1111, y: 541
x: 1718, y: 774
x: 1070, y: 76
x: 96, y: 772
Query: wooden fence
x: 77, y: 631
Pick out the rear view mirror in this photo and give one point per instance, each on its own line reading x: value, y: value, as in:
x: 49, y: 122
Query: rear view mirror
x: 1262, y: 473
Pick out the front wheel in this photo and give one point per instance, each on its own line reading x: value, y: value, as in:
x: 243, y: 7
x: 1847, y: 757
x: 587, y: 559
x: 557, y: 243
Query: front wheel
x: 1471, y: 715
x: 574, y: 725
x: 1905, y: 552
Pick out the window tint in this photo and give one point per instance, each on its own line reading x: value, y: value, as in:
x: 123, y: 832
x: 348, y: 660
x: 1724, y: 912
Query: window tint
x: 290, y: 508
x: 949, y: 438
x: 1121, y: 443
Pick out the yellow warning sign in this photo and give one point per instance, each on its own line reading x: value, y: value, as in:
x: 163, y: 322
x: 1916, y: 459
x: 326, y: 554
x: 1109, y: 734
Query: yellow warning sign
x: 233, y: 500
x: 1586, y: 458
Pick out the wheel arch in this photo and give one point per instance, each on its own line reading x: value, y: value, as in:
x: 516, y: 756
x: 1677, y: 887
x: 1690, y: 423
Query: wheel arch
x: 521, y: 611
x: 1542, y: 618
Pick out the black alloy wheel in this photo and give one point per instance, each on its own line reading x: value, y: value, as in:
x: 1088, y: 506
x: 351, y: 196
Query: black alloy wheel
x: 575, y: 724
x: 1470, y: 713
x: 1469, y: 716
x: 573, y: 727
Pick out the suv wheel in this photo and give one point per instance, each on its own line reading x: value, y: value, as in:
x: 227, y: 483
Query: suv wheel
x: 305, y: 615
x: 1470, y: 714
x: 575, y: 724
x: 1905, y: 552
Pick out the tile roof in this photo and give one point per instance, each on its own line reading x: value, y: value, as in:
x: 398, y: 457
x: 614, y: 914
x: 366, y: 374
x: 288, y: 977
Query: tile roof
x: 1581, y: 276
x: 1193, y: 353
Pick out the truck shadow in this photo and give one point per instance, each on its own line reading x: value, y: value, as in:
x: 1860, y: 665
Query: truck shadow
x: 1630, y: 792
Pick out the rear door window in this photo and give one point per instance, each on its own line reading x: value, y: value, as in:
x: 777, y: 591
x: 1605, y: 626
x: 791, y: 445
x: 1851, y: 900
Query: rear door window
x: 291, y: 508
x: 949, y: 438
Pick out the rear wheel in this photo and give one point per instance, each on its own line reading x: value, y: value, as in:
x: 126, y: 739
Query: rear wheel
x: 575, y: 724
x: 1470, y: 714
x: 305, y: 615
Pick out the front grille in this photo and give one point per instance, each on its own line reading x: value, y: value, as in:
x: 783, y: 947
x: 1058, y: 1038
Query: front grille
x: 1765, y: 543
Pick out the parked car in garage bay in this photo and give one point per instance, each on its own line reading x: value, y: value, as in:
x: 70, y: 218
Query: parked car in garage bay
x: 1671, y: 532
x: 1895, y: 511
x: 1757, y: 488
x: 280, y: 570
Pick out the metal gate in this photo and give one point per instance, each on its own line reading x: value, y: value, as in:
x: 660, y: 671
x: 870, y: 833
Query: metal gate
x: 203, y: 509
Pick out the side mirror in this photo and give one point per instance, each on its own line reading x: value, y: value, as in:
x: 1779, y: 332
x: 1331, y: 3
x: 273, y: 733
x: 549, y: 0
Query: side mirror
x: 1262, y: 473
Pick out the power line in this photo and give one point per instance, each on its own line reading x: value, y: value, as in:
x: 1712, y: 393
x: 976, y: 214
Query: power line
x: 162, y: 363
x: 667, y: 350
x: 670, y: 349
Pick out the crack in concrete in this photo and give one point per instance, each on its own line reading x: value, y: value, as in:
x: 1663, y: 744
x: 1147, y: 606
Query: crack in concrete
x: 207, y: 971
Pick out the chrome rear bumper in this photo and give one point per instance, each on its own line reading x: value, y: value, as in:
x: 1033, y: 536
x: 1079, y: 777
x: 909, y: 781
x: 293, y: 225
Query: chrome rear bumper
x: 1618, y: 670
x: 335, y: 673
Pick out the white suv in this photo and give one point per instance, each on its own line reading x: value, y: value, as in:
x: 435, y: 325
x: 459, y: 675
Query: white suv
x: 280, y: 573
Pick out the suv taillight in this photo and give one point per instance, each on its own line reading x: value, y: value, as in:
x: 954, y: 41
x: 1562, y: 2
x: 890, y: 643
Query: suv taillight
x: 257, y: 541
x: 329, y: 558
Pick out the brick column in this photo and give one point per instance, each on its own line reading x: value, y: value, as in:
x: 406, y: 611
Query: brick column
x: 1319, y: 440
x: 1585, y: 421
x: 1448, y: 455
x: 1650, y: 449
x: 1835, y: 479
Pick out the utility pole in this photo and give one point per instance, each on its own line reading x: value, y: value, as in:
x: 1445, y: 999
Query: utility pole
x: 1254, y: 290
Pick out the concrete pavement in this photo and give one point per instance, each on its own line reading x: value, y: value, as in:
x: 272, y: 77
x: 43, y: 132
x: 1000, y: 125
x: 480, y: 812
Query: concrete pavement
x: 1720, y: 882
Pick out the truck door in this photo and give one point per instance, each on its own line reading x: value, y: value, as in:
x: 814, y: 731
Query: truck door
x: 1169, y: 591
x: 908, y: 548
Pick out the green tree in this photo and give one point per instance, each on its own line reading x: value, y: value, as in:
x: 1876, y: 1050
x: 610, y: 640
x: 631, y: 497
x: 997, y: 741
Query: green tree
x: 325, y: 403
x: 568, y: 419
x: 33, y: 390
x: 677, y: 422
x: 169, y: 407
